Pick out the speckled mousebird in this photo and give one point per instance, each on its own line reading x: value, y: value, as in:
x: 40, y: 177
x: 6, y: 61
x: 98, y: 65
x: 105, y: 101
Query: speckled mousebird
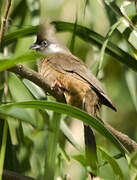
x: 67, y: 73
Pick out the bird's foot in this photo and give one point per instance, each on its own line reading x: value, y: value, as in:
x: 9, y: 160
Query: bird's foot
x: 58, y: 84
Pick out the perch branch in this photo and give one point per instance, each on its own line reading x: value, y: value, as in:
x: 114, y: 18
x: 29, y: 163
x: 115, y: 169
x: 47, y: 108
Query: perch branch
x: 36, y: 78
x: 10, y: 175
x: 4, y: 19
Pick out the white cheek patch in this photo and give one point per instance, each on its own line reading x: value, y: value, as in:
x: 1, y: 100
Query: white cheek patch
x: 52, y: 49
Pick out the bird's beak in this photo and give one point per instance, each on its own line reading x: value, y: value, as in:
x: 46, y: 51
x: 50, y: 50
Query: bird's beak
x: 34, y: 46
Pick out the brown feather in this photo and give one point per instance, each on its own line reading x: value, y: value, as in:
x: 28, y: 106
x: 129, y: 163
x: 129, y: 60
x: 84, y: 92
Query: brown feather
x: 74, y: 67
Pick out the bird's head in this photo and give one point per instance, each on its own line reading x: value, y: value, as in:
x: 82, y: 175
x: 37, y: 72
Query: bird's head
x: 47, y: 47
x: 47, y: 41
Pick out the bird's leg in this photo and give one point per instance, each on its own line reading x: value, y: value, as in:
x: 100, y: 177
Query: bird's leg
x: 58, y: 84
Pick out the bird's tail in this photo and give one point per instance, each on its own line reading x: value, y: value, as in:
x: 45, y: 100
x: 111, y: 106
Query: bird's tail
x: 90, y: 150
x: 91, y: 106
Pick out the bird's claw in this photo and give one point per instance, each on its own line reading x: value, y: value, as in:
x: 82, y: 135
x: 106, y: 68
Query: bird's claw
x: 58, y: 84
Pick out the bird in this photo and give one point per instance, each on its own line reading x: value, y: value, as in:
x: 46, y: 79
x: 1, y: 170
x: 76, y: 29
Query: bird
x: 68, y: 74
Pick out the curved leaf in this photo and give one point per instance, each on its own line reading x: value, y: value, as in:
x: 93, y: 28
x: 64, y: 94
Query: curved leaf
x: 133, y: 166
x: 6, y: 63
x: 22, y: 32
x: 81, y: 31
x: 71, y: 111
x: 16, y: 112
x: 113, y: 163
x: 93, y: 37
x: 66, y: 131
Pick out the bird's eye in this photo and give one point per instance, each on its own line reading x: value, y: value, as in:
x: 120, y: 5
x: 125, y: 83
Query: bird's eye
x: 44, y: 43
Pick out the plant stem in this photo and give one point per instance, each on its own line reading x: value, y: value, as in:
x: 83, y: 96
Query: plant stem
x: 4, y: 19
x: 3, y: 147
x: 52, y: 143
x: 112, y: 28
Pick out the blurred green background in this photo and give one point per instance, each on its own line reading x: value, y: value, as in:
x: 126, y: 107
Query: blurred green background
x: 29, y: 143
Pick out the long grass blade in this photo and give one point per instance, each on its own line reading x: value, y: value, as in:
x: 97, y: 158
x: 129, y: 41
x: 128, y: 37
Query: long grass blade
x: 3, y: 147
x: 113, y: 163
x: 105, y: 45
x: 6, y: 63
x: 84, y: 33
x: 51, y: 151
x: 71, y: 111
x: 95, y: 38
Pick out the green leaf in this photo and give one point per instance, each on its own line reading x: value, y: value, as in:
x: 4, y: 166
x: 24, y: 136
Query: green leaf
x: 18, y: 113
x: 131, y: 80
x: 93, y: 37
x: 84, y: 33
x: 22, y: 32
x: 3, y: 147
x: 35, y: 90
x: 71, y: 111
x: 113, y: 163
x: 133, y: 166
x: 64, y: 154
x: 52, y: 142
x: 66, y: 131
x: 126, y: 28
x: 21, y: 94
x: 81, y: 159
x: 6, y: 63
x: 72, y: 44
x: 111, y: 30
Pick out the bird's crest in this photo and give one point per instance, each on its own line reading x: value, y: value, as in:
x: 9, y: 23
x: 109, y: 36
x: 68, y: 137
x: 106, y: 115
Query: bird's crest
x: 47, y: 31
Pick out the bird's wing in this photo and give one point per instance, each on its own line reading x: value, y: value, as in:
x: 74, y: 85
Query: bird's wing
x: 69, y: 64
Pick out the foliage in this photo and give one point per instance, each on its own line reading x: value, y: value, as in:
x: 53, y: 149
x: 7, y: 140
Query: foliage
x: 38, y: 138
